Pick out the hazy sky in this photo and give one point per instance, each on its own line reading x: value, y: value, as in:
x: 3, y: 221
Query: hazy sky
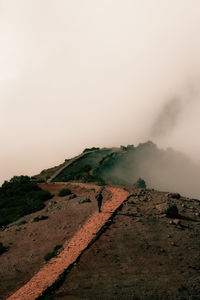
x: 81, y: 73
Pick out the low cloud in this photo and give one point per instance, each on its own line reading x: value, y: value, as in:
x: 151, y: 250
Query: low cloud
x: 167, y: 118
x: 78, y: 74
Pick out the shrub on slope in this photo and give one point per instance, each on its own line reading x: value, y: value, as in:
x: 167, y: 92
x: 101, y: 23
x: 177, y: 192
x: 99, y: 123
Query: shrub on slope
x: 20, y: 197
x: 140, y: 183
x: 64, y: 192
x: 2, y: 248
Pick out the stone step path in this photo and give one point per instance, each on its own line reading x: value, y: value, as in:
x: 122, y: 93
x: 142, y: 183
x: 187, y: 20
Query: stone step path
x: 72, y: 249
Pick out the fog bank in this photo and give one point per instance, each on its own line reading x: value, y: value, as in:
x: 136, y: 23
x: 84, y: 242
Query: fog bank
x: 77, y: 74
x: 165, y: 170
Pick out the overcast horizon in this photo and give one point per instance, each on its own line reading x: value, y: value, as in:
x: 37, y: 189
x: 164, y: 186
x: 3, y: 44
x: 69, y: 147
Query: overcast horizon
x: 84, y: 73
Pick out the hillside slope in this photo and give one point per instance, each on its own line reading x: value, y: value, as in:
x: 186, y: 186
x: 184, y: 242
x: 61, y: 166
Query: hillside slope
x: 73, y: 248
x: 142, y: 254
x: 30, y: 238
x: 148, y: 250
x: 165, y: 170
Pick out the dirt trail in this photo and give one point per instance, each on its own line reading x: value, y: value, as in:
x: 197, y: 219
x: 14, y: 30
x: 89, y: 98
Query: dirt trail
x: 50, y: 273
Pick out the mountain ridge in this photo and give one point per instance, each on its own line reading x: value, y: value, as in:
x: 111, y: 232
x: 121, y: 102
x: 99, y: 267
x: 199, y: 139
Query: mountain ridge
x: 151, y: 240
x: 168, y: 169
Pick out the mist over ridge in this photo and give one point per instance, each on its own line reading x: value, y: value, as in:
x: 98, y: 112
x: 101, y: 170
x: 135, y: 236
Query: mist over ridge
x: 164, y: 170
x: 75, y: 74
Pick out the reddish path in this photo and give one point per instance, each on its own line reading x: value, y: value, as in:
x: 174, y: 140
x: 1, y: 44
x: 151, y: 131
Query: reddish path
x: 48, y: 275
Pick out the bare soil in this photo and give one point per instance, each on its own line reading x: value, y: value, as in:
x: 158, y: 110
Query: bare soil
x: 30, y: 242
x: 142, y: 255
x: 72, y: 249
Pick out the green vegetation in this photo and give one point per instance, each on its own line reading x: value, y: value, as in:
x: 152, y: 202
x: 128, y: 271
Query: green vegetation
x: 140, y: 183
x: 22, y: 222
x: 40, y: 180
x: 64, y: 192
x: 19, y: 197
x: 100, y: 181
x: 40, y: 218
x: 2, y: 248
x: 52, y: 254
x: 82, y: 174
x: 172, y: 211
x: 175, y: 195
x: 127, y: 148
x: 82, y: 169
x: 90, y: 149
x: 110, y: 169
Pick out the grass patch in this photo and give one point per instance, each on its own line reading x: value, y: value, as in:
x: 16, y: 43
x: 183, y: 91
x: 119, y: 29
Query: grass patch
x: 52, y: 254
x: 19, y: 197
x: 64, y: 192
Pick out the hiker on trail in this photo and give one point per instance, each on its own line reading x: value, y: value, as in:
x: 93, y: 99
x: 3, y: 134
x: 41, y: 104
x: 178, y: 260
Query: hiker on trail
x: 99, y: 198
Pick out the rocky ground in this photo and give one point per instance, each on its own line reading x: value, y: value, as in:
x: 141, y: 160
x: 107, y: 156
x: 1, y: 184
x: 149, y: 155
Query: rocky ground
x: 143, y: 254
x: 28, y: 241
